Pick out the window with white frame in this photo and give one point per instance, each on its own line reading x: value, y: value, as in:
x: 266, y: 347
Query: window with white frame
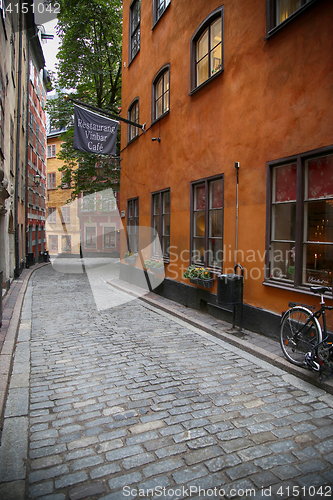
x: 51, y: 180
x: 66, y: 214
x: 51, y: 150
x: 53, y: 243
x: 90, y: 236
x: 109, y: 236
x: 300, y: 220
x: 52, y: 215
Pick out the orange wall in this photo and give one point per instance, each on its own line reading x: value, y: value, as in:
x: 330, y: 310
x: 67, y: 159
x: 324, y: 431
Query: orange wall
x: 273, y: 99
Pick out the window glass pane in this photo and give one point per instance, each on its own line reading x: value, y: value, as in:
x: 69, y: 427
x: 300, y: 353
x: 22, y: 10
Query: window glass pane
x: 216, y: 60
x: 156, y: 204
x: 202, y: 70
x: 285, y: 183
x: 166, y: 91
x: 166, y: 202
x: 284, y: 8
x: 215, y: 256
x: 166, y: 246
x: 216, y: 194
x: 198, y: 250
x: 284, y: 221
x: 320, y: 177
x: 199, y: 197
x: 199, y: 223
x: 282, y: 258
x: 318, y: 262
x: 159, y: 87
x: 166, y: 225
x: 215, y: 223
x: 216, y: 33
x: 319, y: 221
x: 202, y: 45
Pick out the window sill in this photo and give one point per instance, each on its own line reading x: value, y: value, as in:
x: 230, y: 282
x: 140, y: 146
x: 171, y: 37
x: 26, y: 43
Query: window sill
x: 291, y: 288
x: 160, y: 117
x: 133, y: 140
x: 206, y: 82
x: 133, y: 58
x: 289, y: 19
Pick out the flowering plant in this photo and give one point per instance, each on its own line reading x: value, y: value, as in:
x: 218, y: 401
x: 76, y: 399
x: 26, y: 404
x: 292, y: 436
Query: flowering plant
x: 194, y: 271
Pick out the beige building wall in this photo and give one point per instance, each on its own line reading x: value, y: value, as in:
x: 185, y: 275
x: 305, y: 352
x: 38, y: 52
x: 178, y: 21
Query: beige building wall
x: 62, y: 221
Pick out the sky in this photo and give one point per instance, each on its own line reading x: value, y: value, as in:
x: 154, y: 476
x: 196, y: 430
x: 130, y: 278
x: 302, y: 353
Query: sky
x: 50, y: 47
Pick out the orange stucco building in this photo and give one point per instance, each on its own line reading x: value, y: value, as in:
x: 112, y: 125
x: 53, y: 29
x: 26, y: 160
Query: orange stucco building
x: 220, y: 83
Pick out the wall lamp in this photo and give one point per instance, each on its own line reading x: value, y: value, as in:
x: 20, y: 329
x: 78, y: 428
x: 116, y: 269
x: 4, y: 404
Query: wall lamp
x: 36, y: 180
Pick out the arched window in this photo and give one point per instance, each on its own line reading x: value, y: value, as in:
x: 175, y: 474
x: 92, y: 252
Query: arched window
x: 133, y: 116
x: 207, y: 49
x: 161, y: 93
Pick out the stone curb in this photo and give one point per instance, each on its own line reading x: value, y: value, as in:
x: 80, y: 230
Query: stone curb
x: 7, y: 352
x: 279, y: 362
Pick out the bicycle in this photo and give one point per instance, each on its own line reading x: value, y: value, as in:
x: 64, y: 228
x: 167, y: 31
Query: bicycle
x: 303, y: 341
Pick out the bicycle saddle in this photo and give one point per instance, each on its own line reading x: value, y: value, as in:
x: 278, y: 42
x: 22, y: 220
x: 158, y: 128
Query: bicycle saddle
x: 320, y: 289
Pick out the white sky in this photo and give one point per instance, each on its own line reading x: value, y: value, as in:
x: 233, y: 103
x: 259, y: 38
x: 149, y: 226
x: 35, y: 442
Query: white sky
x: 50, y: 47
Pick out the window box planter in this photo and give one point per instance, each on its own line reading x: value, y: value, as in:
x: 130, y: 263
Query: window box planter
x: 207, y: 283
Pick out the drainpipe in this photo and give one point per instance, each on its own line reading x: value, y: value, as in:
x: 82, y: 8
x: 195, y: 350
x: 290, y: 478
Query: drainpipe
x: 236, y: 242
x: 17, y: 167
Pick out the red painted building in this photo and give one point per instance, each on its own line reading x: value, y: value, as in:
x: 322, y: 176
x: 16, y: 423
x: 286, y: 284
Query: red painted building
x: 36, y: 164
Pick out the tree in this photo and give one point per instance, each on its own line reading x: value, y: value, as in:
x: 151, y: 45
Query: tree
x: 90, y: 66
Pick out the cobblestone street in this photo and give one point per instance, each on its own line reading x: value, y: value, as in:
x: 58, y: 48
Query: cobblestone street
x: 132, y: 402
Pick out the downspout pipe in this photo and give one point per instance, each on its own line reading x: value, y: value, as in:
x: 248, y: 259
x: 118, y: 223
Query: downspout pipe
x: 236, y: 241
x: 17, y: 270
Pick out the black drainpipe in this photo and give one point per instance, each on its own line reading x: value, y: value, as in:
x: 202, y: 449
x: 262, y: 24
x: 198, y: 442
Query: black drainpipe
x: 17, y: 270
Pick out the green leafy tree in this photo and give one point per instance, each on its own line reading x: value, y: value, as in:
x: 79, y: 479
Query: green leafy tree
x: 89, y: 68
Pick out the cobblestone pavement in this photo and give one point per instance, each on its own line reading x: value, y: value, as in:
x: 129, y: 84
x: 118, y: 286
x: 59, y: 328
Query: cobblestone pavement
x: 132, y: 402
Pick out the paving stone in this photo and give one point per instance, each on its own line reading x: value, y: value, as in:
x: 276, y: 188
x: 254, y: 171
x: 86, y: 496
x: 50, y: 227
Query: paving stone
x: 162, y: 466
x: 85, y: 491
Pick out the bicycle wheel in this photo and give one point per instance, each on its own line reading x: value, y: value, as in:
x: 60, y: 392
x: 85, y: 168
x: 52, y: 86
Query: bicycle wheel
x: 299, y: 333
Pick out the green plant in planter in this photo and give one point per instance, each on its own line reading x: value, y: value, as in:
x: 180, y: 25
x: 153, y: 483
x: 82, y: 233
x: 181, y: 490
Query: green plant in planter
x: 128, y: 254
x: 195, y: 272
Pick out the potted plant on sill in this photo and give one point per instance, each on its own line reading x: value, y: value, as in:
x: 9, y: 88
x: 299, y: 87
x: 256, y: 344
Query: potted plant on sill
x: 130, y: 258
x: 199, y: 276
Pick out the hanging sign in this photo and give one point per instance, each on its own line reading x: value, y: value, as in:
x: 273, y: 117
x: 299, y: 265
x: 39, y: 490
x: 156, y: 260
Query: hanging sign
x: 94, y: 133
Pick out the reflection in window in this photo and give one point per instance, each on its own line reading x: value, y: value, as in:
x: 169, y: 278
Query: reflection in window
x: 133, y: 224
x: 135, y: 18
x: 133, y: 116
x: 301, y: 220
x: 207, y: 223
x: 161, y: 222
